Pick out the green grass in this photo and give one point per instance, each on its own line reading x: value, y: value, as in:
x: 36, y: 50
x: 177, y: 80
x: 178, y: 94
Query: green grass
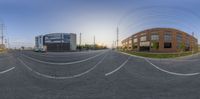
x: 158, y: 55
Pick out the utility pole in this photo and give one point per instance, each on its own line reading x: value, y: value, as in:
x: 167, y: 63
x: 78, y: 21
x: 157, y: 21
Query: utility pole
x: 112, y: 45
x: 2, y: 35
x: 94, y: 42
x: 80, y: 40
x: 8, y: 43
x: 117, y: 37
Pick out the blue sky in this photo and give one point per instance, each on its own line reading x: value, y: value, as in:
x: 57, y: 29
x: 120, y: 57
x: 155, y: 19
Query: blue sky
x: 25, y: 19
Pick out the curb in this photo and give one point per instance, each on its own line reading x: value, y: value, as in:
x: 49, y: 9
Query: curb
x: 181, y: 57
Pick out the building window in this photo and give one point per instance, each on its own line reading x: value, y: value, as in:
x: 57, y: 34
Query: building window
x: 36, y: 42
x: 134, y: 45
x: 144, y: 46
x: 130, y: 41
x: 144, y: 43
x: 187, y: 35
x: 179, y: 37
x: 154, y: 37
x: 168, y: 45
x: 168, y: 37
x: 143, y: 34
x: 135, y: 36
x: 40, y: 39
x: 143, y: 38
x: 135, y: 40
x: 66, y: 38
x: 187, y: 42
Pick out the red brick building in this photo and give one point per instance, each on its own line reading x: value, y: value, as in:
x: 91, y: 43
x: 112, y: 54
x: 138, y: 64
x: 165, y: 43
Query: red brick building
x: 160, y: 40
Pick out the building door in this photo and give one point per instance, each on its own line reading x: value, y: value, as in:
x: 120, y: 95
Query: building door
x: 145, y: 48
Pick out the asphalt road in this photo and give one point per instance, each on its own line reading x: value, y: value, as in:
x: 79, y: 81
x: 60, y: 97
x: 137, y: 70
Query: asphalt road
x: 103, y: 74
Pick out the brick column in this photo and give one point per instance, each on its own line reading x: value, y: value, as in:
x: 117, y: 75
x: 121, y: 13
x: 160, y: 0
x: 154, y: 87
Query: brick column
x: 161, y: 40
x: 174, y: 40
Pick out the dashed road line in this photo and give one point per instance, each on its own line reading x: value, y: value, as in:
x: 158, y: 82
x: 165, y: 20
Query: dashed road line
x: 169, y: 72
x: 68, y: 63
x: 62, y: 78
x: 5, y: 71
x: 123, y: 64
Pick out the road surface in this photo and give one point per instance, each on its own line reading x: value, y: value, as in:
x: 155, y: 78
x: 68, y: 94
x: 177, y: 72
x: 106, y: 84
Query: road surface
x: 103, y: 74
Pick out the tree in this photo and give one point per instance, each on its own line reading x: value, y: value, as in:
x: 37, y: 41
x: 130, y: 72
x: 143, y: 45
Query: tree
x: 181, y: 48
x: 155, y: 45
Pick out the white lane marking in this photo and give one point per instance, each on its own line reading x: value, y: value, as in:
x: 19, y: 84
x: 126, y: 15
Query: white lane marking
x: 2, y: 72
x: 172, y: 73
x: 65, y: 53
x: 68, y: 63
x: 55, y: 53
x: 68, y: 77
x: 118, y: 68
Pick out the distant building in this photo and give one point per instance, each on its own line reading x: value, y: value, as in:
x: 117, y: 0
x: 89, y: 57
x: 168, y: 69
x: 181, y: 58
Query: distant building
x: 160, y: 40
x: 2, y: 47
x: 56, y: 42
x: 39, y: 43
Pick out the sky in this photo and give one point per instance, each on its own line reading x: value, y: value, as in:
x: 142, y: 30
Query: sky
x: 25, y: 19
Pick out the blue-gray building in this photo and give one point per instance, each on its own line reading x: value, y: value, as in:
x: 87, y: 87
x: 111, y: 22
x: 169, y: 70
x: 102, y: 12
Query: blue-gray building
x: 56, y: 42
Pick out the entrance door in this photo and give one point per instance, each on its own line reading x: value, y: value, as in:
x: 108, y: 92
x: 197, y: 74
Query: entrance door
x: 145, y: 48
